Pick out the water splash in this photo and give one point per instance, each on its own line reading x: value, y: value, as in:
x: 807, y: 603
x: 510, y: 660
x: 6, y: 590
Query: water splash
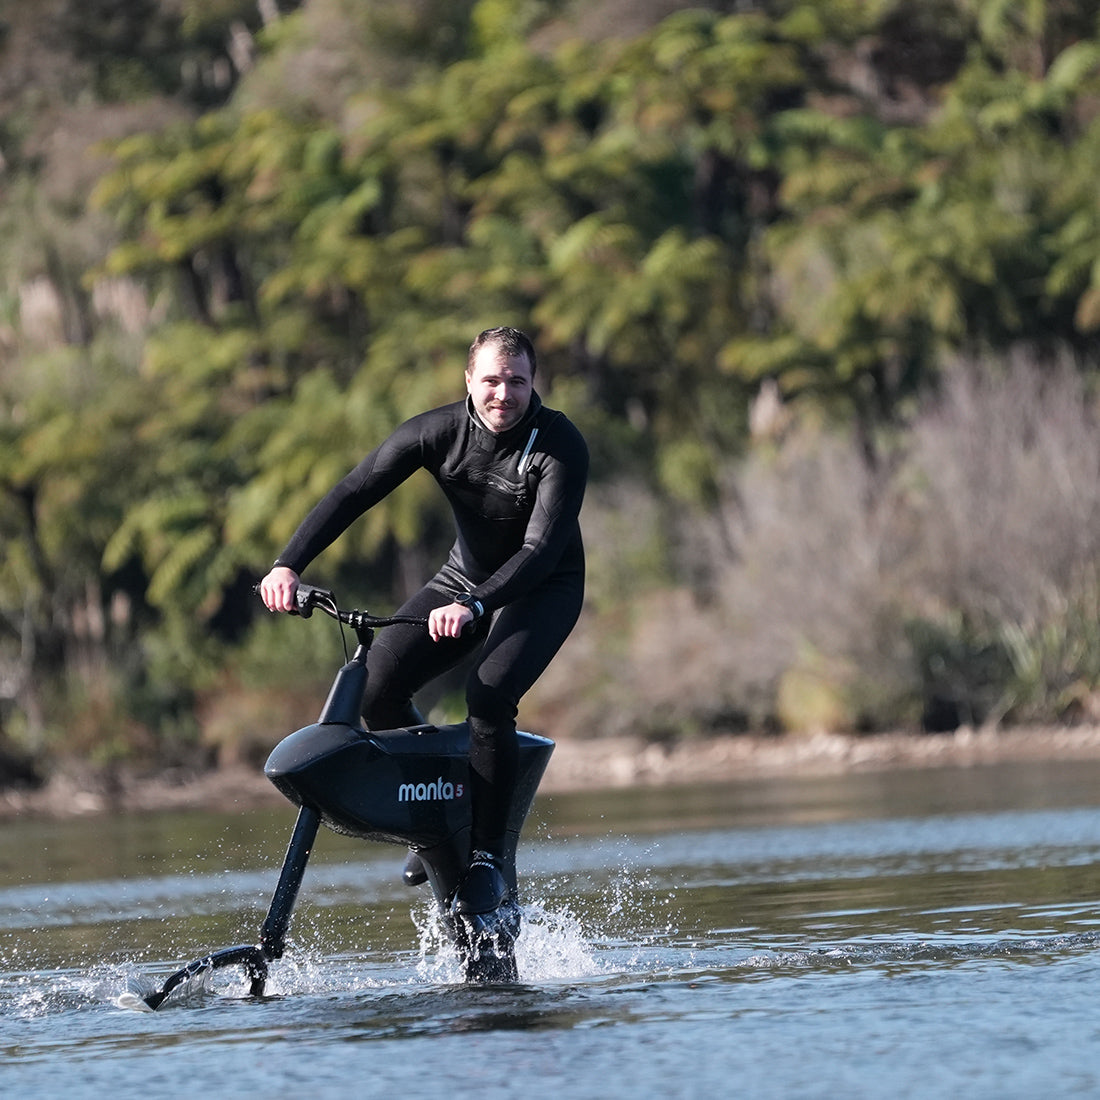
x: 614, y: 917
x: 589, y: 923
x: 193, y: 993
x: 34, y: 994
x: 552, y: 946
x: 31, y: 996
x: 438, y: 961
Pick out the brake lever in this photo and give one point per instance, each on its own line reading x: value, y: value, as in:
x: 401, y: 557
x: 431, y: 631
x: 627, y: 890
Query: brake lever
x: 307, y: 597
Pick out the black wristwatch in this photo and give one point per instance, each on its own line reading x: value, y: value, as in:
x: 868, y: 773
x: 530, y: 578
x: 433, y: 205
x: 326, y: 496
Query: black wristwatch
x: 468, y: 599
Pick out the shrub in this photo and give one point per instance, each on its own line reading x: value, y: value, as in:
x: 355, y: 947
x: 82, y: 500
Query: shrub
x: 954, y: 582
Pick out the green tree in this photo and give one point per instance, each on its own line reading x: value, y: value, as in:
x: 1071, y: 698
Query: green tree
x: 312, y: 215
x: 902, y: 243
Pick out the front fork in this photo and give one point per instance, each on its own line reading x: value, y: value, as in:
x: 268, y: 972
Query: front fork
x: 273, y: 930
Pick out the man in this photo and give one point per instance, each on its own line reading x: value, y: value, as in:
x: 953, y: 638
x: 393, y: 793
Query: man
x: 514, y: 473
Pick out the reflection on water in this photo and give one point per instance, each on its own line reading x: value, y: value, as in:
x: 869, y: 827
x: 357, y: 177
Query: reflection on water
x: 938, y: 927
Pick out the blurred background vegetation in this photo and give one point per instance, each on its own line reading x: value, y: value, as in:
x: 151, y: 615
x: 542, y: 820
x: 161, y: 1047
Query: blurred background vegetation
x: 820, y: 282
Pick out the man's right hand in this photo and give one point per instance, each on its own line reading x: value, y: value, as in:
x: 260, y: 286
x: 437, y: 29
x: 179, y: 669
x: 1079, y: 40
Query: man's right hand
x: 277, y: 589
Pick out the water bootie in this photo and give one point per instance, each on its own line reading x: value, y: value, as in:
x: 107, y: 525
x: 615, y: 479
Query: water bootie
x: 486, y: 919
x: 483, y: 890
x: 413, y: 873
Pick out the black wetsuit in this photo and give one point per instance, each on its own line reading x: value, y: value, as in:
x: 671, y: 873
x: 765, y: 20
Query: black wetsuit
x: 516, y: 498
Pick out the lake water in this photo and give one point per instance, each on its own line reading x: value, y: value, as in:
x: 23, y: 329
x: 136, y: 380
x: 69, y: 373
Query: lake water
x: 923, y: 934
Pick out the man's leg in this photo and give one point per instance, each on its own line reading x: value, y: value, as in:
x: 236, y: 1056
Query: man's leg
x: 402, y: 660
x: 523, y: 640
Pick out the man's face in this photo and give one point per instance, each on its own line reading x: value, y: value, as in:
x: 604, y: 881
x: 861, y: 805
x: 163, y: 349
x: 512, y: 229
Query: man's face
x: 500, y: 387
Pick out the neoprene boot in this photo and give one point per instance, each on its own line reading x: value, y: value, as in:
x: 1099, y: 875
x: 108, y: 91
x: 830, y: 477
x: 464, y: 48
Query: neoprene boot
x: 484, y: 889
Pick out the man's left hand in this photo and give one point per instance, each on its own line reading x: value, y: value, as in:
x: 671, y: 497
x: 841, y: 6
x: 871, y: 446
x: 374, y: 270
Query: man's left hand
x: 449, y: 621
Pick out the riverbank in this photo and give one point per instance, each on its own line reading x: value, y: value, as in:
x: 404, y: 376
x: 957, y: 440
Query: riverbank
x: 594, y: 765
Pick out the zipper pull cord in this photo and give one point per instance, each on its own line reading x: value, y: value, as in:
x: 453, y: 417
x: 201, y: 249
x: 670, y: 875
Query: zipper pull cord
x: 526, y: 456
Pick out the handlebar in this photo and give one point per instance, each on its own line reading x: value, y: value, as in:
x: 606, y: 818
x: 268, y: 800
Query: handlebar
x: 307, y: 598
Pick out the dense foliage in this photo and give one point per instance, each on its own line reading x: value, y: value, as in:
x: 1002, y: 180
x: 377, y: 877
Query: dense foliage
x: 244, y: 240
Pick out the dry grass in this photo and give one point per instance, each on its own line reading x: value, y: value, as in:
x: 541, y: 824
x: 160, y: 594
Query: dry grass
x: 956, y: 584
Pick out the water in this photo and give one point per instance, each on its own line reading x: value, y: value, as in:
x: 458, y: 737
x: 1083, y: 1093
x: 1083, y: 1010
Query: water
x: 912, y: 935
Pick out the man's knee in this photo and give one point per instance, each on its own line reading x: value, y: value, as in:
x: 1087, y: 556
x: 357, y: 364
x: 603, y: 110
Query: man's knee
x: 389, y: 705
x: 490, y: 710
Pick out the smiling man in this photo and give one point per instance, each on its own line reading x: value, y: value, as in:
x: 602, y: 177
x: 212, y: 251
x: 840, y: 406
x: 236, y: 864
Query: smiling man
x: 514, y: 473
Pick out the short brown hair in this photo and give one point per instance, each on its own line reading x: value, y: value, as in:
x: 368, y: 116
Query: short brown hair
x: 510, y: 341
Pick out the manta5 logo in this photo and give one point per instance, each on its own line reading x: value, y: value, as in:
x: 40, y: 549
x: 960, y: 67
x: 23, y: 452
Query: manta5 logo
x: 436, y: 791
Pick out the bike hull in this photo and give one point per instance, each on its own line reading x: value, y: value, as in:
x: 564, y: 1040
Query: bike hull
x: 411, y: 787
x: 405, y: 786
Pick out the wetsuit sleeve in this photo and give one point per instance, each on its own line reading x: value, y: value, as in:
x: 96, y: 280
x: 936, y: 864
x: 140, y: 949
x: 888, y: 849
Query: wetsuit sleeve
x: 386, y: 467
x: 554, y: 522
